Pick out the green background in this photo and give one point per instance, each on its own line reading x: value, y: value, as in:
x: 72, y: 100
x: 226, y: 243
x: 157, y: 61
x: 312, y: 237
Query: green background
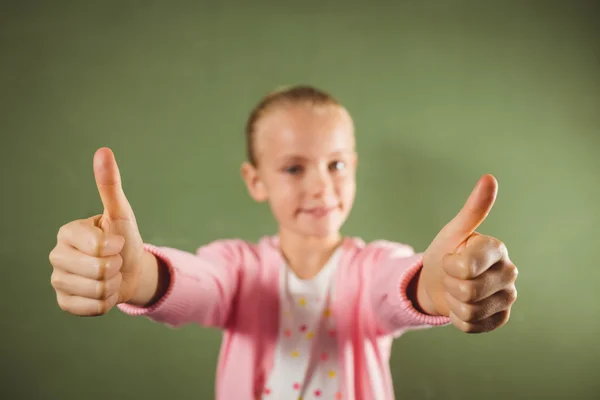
x: 441, y: 92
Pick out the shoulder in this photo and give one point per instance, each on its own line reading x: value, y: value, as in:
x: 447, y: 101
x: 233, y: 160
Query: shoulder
x: 360, y: 250
x: 237, y: 248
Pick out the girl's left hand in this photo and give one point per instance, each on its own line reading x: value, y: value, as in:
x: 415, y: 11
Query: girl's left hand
x: 467, y: 276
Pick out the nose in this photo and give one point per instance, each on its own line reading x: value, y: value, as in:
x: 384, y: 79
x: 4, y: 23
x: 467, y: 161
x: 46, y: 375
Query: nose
x: 318, y: 183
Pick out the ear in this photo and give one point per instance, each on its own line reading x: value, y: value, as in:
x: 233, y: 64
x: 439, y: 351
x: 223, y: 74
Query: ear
x: 255, y: 186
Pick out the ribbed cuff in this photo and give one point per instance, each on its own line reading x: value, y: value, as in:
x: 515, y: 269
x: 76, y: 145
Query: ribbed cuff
x: 397, y: 309
x: 174, y: 306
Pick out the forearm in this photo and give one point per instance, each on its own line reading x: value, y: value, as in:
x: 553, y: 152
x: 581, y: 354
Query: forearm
x: 154, y: 281
x: 178, y: 287
x: 399, y: 301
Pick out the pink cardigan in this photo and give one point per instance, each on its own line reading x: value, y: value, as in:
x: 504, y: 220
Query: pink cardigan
x: 233, y: 285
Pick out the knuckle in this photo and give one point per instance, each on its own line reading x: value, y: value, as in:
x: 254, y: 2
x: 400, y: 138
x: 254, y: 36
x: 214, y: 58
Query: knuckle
x: 467, y: 312
x: 511, y: 295
x: 499, y: 319
x: 470, y: 329
x: 92, y: 243
x: 502, y: 247
x: 469, y: 291
x: 61, y: 233
x: 112, y: 265
x: 56, y: 254
x: 495, y: 248
x: 464, y: 266
x: 495, y: 243
x: 107, y: 288
x: 65, y: 231
x: 512, y: 272
x: 52, y: 256
x: 56, y: 281
x: 101, y: 289
x: 103, y: 306
x: 98, y: 244
x: 494, y: 322
x: 458, y: 322
x: 102, y: 266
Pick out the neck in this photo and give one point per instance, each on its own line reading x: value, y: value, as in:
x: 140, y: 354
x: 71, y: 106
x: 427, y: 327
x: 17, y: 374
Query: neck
x: 307, y: 255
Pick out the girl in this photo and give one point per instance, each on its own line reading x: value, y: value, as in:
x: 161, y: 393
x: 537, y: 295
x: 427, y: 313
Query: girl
x: 306, y: 313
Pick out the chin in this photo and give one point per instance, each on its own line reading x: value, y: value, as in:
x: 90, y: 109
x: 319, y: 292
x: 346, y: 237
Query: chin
x: 322, y: 234
x: 316, y: 227
x: 321, y: 230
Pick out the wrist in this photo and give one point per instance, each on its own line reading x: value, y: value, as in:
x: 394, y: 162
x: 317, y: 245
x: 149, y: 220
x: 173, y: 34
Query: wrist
x: 419, y: 297
x: 153, y: 281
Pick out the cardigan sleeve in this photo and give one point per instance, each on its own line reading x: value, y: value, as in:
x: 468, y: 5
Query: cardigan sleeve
x: 202, y: 285
x: 396, y: 266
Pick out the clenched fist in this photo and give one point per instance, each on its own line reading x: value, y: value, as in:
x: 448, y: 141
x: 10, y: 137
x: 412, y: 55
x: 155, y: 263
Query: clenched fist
x: 96, y: 261
x: 467, y: 276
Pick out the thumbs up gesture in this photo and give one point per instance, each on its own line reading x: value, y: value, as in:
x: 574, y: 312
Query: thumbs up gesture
x: 96, y: 261
x: 467, y: 276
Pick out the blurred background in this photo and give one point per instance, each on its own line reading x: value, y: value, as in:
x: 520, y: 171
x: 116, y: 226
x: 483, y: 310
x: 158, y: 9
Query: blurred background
x: 441, y: 93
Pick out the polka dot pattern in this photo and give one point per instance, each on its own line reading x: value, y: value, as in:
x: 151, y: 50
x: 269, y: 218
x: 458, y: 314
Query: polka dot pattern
x: 306, y: 352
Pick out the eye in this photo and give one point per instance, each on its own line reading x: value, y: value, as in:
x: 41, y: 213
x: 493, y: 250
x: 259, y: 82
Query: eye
x: 293, y: 170
x: 337, y: 166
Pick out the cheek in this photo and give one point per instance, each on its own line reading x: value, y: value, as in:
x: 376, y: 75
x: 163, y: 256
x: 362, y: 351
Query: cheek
x: 284, y: 194
x: 346, y: 189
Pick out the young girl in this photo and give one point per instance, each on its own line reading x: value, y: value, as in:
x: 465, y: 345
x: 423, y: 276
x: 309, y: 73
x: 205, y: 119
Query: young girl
x: 307, y: 313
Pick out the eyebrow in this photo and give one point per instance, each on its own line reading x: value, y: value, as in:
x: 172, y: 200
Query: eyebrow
x: 298, y: 157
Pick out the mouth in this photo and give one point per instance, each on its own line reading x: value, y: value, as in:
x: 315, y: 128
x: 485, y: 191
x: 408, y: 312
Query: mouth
x: 319, y: 212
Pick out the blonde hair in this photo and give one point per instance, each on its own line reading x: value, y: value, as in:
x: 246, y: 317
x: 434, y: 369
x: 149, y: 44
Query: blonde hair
x: 299, y: 94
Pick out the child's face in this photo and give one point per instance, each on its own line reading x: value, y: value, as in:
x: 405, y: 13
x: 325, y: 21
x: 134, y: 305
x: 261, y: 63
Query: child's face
x: 306, y: 168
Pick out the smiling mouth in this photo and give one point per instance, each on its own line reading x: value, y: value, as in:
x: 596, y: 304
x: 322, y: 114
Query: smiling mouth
x: 319, y: 211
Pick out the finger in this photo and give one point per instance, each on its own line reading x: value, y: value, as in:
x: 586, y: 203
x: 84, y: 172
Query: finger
x: 474, y: 312
x: 486, y: 325
x: 479, y: 254
x: 500, y: 276
x: 108, y: 181
x: 83, y: 306
x: 75, y: 285
x: 473, y: 213
x: 70, y: 260
x: 84, y: 236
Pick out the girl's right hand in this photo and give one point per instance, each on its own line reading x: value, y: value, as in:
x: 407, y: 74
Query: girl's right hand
x: 97, y: 261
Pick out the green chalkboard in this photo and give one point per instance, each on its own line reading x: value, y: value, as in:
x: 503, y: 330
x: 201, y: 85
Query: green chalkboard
x: 441, y: 93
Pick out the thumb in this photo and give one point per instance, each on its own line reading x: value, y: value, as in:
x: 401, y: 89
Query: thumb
x: 473, y: 213
x: 108, y: 181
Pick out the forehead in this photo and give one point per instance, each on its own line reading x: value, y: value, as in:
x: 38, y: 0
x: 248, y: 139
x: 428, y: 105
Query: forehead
x: 304, y: 131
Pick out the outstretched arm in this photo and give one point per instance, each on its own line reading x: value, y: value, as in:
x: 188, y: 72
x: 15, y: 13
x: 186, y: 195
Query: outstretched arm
x: 180, y: 287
